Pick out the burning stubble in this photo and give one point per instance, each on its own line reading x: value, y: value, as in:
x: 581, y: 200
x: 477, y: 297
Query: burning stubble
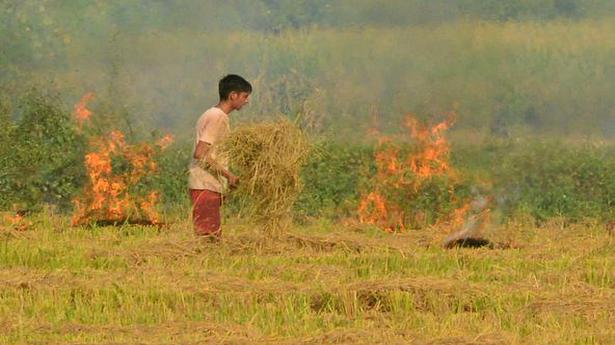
x: 400, y: 180
x: 107, y: 196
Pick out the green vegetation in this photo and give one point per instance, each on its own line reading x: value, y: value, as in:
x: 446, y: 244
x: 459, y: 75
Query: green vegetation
x: 550, y: 180
x: 531, y: 82
x: 42, y: 154
x: 333, y: 179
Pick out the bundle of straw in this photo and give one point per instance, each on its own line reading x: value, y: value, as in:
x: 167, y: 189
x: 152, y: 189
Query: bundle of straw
x: 268, y: 158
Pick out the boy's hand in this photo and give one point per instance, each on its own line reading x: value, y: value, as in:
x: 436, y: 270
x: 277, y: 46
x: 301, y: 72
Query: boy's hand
x: 233, y: 181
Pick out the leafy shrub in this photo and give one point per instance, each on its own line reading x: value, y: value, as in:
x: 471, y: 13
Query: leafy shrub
x: 551, y: 179
x: 172, y: 178
x: 43, y: 164
x: 332, y: 178
x: 41, y: 161
x: 541, y: 179
x: 6, y: 130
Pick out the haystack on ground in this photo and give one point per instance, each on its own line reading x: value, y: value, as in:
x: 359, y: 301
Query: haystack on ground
x: 268, y: 158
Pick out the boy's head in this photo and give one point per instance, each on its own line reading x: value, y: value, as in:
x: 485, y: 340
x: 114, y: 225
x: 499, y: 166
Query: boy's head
x: 234, y: 90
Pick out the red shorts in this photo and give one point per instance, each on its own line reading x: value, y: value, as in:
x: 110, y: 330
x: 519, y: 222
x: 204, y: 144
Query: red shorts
x: 206, y: 212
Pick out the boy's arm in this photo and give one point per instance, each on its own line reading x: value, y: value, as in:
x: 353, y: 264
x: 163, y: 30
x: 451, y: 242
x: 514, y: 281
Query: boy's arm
x: 201, y: 153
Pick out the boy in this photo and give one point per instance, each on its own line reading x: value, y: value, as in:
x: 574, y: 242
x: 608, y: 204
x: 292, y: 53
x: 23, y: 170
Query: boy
x: 209, y: 173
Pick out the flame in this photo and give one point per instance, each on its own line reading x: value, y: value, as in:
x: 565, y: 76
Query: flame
x: 107, y: 196
x: 432, y: 156
x: 374, y: 209
x: 18, y: 221
x: 165, y: 141
x: 459, y: 215
x: 387, y: 160
x: 396, y: 173
x: 82, y: 113
x: 469, y: 220
x: 148, y: 206
x: 14, y: 219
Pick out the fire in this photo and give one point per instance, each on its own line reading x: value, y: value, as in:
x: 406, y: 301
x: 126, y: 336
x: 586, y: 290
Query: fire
x: 432, y: 157
x: 165, y: 141
x: 18, y: 221
x: 387, y: 160
x: 14, y: 219
x: 148, y: 206
x: 82, y: 113
x: 459, y: 215
x: 372, y: 209
x: 405, y: 177
x: 376, y: 210
x: 107, y: 195
x: 113, y: 167
x: 469, y: 220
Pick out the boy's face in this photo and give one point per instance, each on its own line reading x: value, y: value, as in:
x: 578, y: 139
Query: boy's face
x: 239, y: 99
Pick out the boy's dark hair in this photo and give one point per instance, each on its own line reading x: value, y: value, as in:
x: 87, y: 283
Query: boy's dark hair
x: 230, y: 83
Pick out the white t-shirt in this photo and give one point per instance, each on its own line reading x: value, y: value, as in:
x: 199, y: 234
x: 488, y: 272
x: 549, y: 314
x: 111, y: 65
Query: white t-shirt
x: 212, y: 127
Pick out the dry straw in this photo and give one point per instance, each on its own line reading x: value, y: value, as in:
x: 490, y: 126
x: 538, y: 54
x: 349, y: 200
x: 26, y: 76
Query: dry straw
x: 268, y: 158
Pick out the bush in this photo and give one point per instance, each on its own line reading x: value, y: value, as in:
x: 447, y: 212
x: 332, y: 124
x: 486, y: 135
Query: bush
x: 44, y: 163
x: 332, y: 178
x: 172, y: 178
x: 541, y: 179
x: 6, y: 131
x: 41, y: 161
x: 550, y: 179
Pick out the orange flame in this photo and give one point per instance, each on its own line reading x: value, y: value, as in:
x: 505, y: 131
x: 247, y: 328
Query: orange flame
x: 165, y: 141
x: 14, y: 219
x: 430, y: 158
x: 107, y: 196
x: 148, y: 206
x: 375, y: 209
x: 387, y: 160
x: 459, y: 215
x: 18, y: 221
x: 372, y: 209
x: 82, y: 113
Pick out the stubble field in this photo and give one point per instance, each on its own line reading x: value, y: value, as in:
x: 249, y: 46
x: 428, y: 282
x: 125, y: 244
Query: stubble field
x: 318, y: 284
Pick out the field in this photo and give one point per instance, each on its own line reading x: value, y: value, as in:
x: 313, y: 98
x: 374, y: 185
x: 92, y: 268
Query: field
x: 425, y: 116
x: 321, y: 283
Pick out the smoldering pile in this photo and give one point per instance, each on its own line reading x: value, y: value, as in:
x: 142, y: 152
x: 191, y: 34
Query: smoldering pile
x: 267, y: 157
x: 469, y: 234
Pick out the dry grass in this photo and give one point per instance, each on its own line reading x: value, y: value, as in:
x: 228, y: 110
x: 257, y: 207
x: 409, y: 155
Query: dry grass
x: 319, y: 284
x: 268, y: 157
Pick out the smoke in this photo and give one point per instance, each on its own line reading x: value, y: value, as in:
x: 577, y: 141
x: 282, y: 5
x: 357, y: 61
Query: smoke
x: 505, y: 68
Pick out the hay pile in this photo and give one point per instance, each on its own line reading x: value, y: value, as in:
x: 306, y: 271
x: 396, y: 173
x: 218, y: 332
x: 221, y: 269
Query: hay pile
x: 267, y: 157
